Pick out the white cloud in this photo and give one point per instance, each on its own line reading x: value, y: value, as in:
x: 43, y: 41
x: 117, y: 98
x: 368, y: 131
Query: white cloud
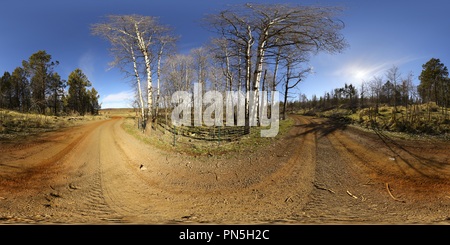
x: 122, y: 99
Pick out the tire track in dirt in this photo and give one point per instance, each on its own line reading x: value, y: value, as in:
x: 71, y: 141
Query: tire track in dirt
x: 29, y: 168
x: 319, y: 172
x: 339, y: 194
x: 356, y: 173
x: 99, y: 183
x: 123, y: 190
x: 51, y: 180
x: 148, y: 196
x: 303, y: 155
x: 82, y: 194
x: 93, y: 200
x: 390, y: 161
x: 281, y: 194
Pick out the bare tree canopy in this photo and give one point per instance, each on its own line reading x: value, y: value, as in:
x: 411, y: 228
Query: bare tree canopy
x: 138, y: 41
x: 309, y: 28
x: 259, y: 32
x: 253, y: 38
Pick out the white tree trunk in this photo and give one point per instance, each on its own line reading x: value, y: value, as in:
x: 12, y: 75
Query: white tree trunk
x: 144, y: 50
x: 258, y: 70
x: 138, y: 80
x: 158, y: 80
x: 247, y: 79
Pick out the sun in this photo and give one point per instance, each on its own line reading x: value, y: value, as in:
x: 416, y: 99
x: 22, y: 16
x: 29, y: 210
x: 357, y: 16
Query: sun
x: 360, y: 74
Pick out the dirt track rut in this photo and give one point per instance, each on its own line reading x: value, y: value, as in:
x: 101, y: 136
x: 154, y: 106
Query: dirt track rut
x: 321, y: 172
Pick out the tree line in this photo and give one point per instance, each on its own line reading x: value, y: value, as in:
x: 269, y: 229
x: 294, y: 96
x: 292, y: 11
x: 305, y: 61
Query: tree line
x: 36, y: 87
x: 393, y: 90
x: 255, y: 47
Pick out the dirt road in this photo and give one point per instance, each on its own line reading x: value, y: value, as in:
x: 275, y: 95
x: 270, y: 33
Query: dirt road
x: 321, y: 172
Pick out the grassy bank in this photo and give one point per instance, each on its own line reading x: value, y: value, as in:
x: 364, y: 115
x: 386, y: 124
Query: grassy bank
x: 419, y: 120
x: 16, y: 125
x: 177, y: 142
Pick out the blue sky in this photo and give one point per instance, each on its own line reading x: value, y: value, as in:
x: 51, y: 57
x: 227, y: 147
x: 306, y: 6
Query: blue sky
x: 380, y: 33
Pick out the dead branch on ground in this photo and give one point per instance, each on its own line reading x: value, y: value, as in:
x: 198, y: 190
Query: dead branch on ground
x: 350, y: 194
x: 390, y: 194
x: 323, y: 188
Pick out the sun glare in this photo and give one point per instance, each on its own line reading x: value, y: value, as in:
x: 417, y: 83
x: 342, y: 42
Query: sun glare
x: 360, y: 74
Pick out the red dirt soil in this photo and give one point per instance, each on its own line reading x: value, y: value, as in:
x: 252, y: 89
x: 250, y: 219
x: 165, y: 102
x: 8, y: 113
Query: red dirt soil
x: 321, y: 172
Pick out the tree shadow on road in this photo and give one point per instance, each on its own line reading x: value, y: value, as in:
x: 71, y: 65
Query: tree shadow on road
x: 322, y: 128
x: 430, y: 168
x: 397, y: 148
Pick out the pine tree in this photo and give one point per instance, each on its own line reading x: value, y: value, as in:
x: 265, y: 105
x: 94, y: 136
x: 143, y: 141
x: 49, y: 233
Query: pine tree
x: 40, y: 68
x: 77, y: 92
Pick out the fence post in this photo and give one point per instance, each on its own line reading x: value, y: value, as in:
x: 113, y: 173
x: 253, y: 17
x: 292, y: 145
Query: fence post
x: 219, y: 135
x: 174, y: 134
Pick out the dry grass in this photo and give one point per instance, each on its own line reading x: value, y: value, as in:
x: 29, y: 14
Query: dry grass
x: 119, y: 112
x: 220, y: 145
x: 14, y: 125
x: 419, y: 120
